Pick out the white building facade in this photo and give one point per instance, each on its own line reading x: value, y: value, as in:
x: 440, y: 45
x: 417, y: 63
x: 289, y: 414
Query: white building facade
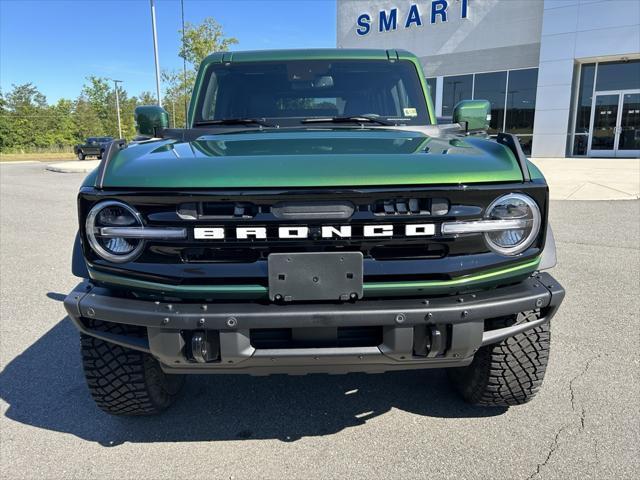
x: 564, y: 75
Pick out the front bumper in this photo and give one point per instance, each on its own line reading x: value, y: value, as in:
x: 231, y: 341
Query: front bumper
x: 415, y: 332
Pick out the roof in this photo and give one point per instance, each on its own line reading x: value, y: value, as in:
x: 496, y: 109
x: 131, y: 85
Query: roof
x: 307, y: 54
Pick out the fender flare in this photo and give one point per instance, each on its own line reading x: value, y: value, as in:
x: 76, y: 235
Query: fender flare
x: 78, y: 263
x: 549, y: 258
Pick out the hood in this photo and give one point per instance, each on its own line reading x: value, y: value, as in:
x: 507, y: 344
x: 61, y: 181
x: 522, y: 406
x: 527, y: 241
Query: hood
x: 312, y: 158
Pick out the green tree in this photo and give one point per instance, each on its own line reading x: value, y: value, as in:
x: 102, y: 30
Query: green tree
x: 26, y: 115
x: 85, y: 119
x: 199, y: 41
x: 202, y: 40
x: 5, y: 123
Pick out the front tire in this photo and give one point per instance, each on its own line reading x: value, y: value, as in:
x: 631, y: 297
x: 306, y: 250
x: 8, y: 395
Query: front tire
x: 506, y: 373
x: 80, y: 156
x: 123, y: 381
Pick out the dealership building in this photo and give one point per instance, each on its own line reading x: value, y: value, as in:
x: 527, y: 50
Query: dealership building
x: 564, y: 75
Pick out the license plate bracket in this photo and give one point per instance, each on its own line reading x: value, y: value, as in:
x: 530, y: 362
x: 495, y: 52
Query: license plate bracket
x: 309, y: 276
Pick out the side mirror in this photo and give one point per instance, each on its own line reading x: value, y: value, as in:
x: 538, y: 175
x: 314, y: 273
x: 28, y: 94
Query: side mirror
x: 150, y: 118
x: 475, y: 113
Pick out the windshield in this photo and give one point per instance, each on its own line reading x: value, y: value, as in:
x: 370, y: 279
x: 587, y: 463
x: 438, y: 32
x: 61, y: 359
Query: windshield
x: 286, y: 93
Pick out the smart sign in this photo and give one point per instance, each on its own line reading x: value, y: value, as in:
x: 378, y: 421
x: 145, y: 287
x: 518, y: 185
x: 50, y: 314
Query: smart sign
x: 416, y: 15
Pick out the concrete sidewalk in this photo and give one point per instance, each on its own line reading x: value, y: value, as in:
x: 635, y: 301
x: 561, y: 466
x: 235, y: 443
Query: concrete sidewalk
x: 591, y: 178
x: 568, y: 178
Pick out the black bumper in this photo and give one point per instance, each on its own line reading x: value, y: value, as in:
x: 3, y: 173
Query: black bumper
x: 415, y: 333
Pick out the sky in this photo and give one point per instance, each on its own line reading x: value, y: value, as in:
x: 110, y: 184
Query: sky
x: 56, y: 44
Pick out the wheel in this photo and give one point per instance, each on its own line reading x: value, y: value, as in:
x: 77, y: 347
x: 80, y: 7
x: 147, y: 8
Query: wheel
x: 123, y: 381
x: 506, y: 373
x: 80, y: 155
x: 100, y: 154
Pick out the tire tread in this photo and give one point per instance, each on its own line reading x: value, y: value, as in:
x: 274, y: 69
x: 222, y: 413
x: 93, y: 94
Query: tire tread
x: 506, y: 373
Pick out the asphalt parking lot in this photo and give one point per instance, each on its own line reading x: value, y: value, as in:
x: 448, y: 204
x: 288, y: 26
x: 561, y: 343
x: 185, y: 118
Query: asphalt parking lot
x: 584, y: 424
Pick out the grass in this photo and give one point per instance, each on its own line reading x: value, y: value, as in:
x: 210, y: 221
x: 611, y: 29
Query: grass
x: 37, y: 156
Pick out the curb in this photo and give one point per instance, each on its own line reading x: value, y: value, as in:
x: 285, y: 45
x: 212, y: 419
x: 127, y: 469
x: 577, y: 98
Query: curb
x: 73, y: 167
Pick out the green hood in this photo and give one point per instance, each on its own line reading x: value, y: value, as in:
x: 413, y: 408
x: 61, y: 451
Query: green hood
x: 312, y: 158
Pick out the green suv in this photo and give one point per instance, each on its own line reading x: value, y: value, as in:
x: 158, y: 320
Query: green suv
x: 313, y: 217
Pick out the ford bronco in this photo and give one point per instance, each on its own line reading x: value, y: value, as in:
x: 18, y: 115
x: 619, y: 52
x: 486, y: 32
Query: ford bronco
x: 313, y: 217
x: 94, y: 146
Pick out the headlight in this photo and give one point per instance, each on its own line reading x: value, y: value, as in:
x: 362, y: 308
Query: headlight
x: 510, y: 225
x: 110, y: 246
x: 521, y: 214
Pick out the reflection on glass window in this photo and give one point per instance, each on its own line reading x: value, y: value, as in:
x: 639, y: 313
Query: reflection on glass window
x: 492, y: 87
x: 521, y: 100
x: 585, y: 98
x: 618, y: 75
x: 455, y: 89
x: 580, y: 144
x: 431, y: 83
x: 526, y: 142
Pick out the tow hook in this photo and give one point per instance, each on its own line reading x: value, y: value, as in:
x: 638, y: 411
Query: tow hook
x: 205, y: 346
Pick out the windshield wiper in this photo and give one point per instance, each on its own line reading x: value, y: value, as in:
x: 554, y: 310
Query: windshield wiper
x: 347, y: 119
x: 235, y: 121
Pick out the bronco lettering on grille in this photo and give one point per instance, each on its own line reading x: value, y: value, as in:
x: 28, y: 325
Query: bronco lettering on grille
x: 302, y: 232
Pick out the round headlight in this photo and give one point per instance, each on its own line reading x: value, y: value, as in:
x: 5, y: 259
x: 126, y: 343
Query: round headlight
x: 525, y: 216
x: 112, y: 213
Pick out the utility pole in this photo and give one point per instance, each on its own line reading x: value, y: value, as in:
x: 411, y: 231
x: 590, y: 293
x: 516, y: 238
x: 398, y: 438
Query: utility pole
x: 155, y: 49
x: 184, y: 66
x: 173, y: 111
x: 115, y: 86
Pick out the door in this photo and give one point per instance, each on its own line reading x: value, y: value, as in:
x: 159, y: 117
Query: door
x: 629, y: 129
x: 615, y: 124
x: 604, y: 124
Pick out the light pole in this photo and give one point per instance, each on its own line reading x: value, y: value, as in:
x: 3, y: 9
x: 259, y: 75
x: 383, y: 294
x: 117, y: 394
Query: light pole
x: 155, y: 49
x: 115, y: 86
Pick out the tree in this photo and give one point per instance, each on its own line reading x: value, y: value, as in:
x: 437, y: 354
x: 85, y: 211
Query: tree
x: 28, y: 122
x: 202, y: 40
x: 199, y: 41
x: 25, y: 113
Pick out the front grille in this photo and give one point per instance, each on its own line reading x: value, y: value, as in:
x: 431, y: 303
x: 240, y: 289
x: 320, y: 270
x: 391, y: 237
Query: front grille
x: 234, y: 260
x: 412, y: 207
x: 216, y: 210
x: 341, y: 337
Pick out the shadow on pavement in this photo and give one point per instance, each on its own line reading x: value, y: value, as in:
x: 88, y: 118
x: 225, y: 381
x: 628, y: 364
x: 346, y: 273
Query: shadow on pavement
x: 44, y: 387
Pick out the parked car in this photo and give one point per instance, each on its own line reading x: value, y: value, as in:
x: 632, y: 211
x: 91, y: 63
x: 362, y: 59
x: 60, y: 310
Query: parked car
x: 94, y: 146
x: 313, y: 217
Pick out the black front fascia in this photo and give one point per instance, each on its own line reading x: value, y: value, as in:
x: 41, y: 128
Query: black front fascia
x: 440, y: 257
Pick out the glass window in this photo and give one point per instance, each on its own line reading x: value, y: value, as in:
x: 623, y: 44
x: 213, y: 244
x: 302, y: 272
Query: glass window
x: 455, y: 89
x: 289, y: 91
x: 585, y: 98
x: 580, y: 143
x: 521, y: 100
x: 492, y: 87
x: 431, y: 83
x: 618, y: 75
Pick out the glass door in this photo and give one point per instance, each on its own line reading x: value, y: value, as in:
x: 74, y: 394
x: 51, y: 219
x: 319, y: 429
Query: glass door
x: 615, y: 124
x: 604, y: 125
x: 629, y: 128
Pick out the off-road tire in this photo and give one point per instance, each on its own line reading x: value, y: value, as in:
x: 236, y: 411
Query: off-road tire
x: 123, y: 381
x: 81, y: 156
x: 506, y: 373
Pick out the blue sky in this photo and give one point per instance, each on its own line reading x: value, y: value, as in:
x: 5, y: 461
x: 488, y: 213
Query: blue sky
x: 56, y: 44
